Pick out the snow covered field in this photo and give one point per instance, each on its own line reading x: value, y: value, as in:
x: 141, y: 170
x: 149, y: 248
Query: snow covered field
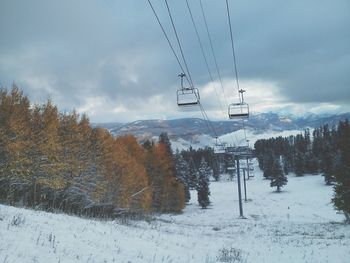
x: 297, y: 225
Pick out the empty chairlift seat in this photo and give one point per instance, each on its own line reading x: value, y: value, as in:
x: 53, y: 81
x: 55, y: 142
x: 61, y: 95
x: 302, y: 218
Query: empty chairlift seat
x: 238, y: 110
x: 219, y: 149
x: 188, y: 97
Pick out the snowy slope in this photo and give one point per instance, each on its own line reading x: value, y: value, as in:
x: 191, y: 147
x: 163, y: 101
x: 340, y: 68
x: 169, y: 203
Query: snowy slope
x: 297, y: 225
x: 234, y: 138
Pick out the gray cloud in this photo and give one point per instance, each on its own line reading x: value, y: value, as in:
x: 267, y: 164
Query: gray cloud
x: 114, y: 51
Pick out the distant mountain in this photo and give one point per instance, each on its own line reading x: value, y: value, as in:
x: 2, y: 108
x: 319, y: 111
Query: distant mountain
x: 188, y: 130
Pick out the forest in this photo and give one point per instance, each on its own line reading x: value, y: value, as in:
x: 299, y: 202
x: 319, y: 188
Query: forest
x: 51, y: 160
x: 326, y: 151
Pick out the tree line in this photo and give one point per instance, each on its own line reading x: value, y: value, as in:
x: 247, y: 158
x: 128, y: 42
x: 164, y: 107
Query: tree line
x: 52, y: 160
x: 194, y: 168
x: 327, y: 152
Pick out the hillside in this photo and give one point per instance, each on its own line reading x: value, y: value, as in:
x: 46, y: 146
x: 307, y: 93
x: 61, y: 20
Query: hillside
x: 194, y: 132
x: 297, y: 225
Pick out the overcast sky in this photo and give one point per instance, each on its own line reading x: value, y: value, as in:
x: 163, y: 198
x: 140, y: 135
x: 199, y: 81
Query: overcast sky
x: 109, y: 58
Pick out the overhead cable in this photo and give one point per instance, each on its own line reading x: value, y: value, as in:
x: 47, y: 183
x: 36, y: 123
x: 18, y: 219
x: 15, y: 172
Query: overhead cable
x: 168, y: 40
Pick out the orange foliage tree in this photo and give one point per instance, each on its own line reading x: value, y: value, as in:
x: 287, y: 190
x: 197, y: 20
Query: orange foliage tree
x: 57, y: 160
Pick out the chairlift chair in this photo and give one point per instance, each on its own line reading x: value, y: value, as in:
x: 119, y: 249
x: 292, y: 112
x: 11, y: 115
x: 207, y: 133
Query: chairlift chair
x: 238, y: 110
x: 187, y: 97
x: 219, y: 149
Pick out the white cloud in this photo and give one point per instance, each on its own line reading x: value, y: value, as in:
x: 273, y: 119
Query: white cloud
x: 109, y: 58
x: 92, y: 105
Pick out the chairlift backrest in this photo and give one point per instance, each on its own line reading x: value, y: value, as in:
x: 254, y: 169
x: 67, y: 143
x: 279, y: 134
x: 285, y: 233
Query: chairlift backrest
x: 238, y: 110
x: 188, y: 97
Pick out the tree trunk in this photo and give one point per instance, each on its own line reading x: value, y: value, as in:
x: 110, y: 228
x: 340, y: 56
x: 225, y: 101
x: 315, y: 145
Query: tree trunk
x: 34, y: 194
x: 9, y: 194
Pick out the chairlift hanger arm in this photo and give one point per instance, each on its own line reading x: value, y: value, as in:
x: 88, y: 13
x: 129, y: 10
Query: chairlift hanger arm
x: 182, y: 75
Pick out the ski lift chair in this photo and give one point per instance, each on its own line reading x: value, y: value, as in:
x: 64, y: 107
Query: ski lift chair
x: 238, y: 110
x: 219, y: 149
x: 188, y: 97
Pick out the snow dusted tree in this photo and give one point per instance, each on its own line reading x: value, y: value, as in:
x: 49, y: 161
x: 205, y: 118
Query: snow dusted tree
x: 268, y: 162
x: 14, y: 142
x: 130, y: 176
x: 327, y: 154
x: 277, y: 176
x: 341, y: 197
x: 171, y: 196
x: 299, y: 163
x: 183, y: 173
x: 203, y: 184
x: 52, y: 179
x: 58, y: 161
x: 164, y: 139
x: 216, y: 168
x: 193, y: 176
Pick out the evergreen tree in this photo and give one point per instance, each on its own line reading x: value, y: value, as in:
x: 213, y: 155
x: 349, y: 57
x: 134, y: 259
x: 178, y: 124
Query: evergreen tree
x: 193, y: 175
x: 194, y: 157
x: 203, y: 184
x: 299, y: 163
x: 341, y: 198
x: 326, y: 155
x: 183, y: 173
x: 268, y: 162
x: 278, y: 178
x: 164, y: 139
x: 327, y: 164
x: 216, y: 169
x: 148, y: 145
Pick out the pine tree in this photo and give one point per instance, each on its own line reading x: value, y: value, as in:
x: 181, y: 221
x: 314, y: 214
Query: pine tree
x: 299, y: 163
x: 278, y: 179
x: 183, y: 173
x: 193, y: 175
x: 341, y: 198
x: 203, y: 184
x: 164, y: 139
x: 326, y: 155
x: 268, y: 162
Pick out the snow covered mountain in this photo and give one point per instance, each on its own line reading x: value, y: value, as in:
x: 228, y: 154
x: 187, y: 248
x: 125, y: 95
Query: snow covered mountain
x: 195, y: 132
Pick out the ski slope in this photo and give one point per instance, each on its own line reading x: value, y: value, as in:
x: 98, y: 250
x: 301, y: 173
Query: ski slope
x: 234, y: 138
x: 297, y: 225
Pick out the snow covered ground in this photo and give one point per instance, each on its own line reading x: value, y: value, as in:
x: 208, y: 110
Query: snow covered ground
x: 297, y: 225
x: 234, y: 138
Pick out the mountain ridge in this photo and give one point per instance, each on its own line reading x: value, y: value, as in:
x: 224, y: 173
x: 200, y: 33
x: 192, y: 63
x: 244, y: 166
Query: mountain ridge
x: 187, y: 128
